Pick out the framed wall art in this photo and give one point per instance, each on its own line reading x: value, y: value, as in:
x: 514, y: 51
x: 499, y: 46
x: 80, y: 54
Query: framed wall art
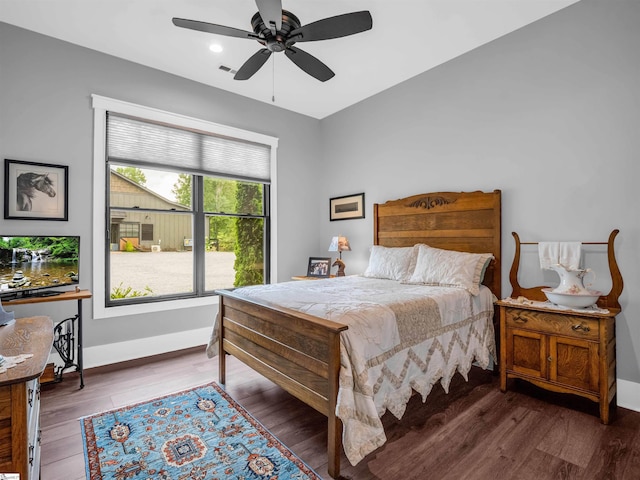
x: 347, y: 207
x: 319, y: 267
x: 35, y: 191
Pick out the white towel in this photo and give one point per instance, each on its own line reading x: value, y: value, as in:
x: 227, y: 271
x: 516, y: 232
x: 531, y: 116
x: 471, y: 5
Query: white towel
x: 567, y: 254
x: 549, y: 253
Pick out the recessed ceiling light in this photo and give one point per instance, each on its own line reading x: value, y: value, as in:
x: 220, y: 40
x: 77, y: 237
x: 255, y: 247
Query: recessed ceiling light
x: 215, y: 47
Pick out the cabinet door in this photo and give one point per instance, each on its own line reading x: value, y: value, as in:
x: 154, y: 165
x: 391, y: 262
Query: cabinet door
x: 574, y: 362
x: 527, y: 353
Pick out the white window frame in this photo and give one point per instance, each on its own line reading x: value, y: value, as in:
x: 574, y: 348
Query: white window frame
x: 102, y: 105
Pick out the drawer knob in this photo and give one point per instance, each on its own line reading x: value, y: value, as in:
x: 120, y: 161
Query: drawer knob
x: 549, y: 359
x: 519, y: 319
x: 584, y: 328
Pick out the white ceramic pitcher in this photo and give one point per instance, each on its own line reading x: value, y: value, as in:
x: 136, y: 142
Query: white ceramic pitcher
x: 571, y: 281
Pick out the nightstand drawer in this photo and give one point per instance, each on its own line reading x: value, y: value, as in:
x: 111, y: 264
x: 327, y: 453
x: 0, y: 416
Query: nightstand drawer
x: 567, y: 325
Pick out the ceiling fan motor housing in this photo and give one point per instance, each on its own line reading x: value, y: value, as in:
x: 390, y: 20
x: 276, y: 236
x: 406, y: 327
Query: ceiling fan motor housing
x: 280, y: 41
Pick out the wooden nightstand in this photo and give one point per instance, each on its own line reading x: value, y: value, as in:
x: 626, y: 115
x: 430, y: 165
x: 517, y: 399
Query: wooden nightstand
x: 566, y: 351
x: 559, y: 350
x: 304, y: 277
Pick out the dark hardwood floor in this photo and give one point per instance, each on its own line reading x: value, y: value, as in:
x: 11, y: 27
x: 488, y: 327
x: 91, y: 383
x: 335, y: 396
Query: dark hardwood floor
x: 474, y: 432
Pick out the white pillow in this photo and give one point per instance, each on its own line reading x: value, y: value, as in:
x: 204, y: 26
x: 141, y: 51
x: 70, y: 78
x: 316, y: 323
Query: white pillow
x: 435, y: 266
x: 392, y: 263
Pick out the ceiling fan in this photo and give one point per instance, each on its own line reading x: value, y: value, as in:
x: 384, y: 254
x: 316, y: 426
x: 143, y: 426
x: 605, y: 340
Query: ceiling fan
x: 278, y: 30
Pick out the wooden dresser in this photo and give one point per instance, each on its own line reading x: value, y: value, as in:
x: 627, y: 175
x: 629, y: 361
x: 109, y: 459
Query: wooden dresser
x: 20, y: 395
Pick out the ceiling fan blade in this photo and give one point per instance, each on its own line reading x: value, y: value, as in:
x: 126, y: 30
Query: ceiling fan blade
x: 252, y: 65
x: 309, y: 64
x: 271, y: 13
x: 213, y: 28
x: 333, y: 27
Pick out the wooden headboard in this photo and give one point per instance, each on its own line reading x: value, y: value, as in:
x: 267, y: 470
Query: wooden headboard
x: 462, y: 221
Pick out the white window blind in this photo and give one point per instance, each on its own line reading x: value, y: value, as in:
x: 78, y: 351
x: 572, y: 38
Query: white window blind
x: 132, y: 140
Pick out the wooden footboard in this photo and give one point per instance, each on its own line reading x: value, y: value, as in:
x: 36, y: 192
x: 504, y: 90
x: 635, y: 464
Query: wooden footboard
x: 298, y: 352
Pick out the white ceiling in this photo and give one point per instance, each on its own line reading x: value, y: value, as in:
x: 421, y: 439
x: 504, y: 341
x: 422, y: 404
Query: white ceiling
x: 408, y: 38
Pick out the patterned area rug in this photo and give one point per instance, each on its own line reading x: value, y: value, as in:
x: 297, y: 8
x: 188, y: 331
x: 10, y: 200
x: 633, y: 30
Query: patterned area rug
x: 200, y: 434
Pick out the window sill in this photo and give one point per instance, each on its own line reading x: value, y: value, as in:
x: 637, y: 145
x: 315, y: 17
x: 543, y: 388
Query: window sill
x: 100, y: 311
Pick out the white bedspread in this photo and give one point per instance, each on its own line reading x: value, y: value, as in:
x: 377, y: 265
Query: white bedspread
x: 400, y: 337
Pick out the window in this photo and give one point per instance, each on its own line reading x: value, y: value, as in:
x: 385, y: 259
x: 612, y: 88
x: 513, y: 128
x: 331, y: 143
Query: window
x: 187, y: 208
x: 146, y: 232
x: 210, y: 227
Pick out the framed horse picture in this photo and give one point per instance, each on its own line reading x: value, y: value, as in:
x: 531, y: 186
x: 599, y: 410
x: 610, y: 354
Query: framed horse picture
x: 35, y: 191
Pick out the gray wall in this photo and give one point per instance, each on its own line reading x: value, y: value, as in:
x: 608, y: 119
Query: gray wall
x: 549, y: 114
x: 46, y: 116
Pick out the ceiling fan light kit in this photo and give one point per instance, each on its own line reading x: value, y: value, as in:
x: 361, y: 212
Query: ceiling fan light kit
x: 278, y: 30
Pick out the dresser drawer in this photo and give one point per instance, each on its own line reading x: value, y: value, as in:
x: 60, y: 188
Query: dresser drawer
x: 553, y: 323
x: 5, y: 402
x: 5, y: 429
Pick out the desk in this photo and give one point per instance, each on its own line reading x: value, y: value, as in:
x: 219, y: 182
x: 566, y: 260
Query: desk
x: 65, y: 332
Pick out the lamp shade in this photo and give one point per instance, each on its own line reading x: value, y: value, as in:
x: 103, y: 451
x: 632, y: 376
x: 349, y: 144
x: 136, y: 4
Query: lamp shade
x: 339, y: 244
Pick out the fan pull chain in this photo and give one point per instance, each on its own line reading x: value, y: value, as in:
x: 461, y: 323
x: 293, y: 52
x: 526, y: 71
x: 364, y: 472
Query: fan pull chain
x: 273, y: 78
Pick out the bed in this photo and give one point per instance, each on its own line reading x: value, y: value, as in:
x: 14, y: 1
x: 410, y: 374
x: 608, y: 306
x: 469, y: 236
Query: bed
x: 315, y: 338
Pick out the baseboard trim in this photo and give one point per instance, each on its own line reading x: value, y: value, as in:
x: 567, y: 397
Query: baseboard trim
x: 102, y: 355
x: 629, y: 395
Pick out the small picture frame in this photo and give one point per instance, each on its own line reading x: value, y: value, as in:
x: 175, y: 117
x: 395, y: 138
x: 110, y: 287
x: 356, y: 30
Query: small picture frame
x: 35, y: 191
x: 347, y: 207
x: 319, y: 267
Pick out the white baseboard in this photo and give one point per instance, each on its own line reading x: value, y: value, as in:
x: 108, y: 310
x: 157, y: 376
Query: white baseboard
x: 144, y: 347
x: 629, y: 395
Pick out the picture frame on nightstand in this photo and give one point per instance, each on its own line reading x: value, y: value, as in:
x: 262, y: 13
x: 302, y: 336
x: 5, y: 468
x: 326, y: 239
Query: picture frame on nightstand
x: 319, y: 267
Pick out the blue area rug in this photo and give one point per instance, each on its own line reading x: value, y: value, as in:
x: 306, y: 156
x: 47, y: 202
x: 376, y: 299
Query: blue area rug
x: 200, y: 434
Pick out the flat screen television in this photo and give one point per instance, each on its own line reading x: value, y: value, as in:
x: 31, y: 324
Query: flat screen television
x: 36, y: 265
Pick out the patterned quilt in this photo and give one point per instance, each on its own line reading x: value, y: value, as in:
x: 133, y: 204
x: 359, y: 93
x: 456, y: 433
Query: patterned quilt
x: 401, y: 338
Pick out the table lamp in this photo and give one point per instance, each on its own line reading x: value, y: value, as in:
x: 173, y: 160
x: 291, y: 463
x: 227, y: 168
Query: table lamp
x: 339, y: 244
